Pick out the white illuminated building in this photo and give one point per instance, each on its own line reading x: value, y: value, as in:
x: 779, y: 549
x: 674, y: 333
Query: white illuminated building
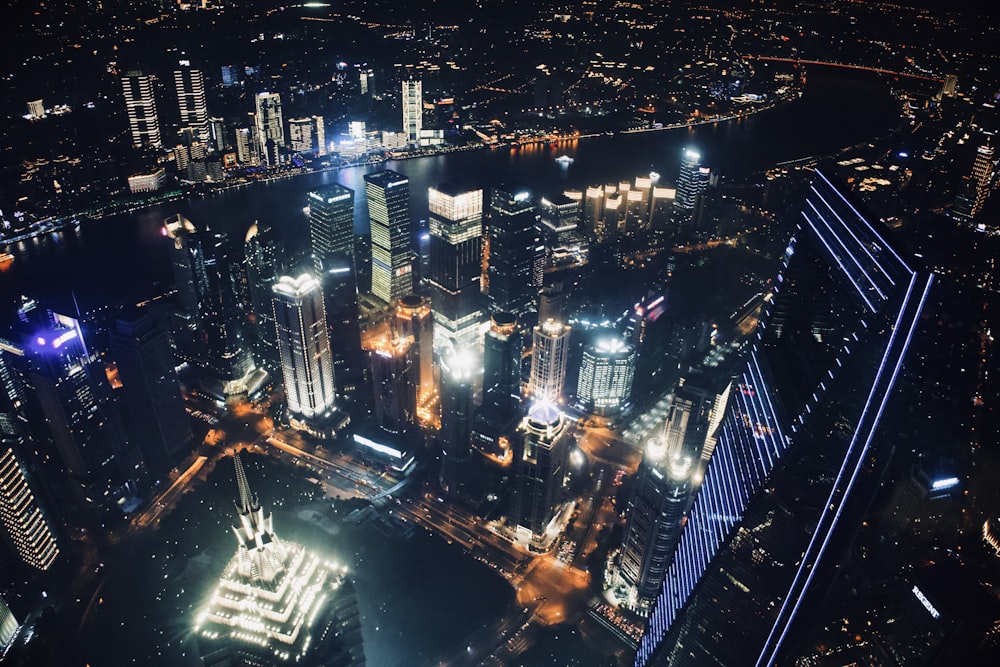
x: 26, y: 526
x: 413, y: 109
x: 548, y: 360
x: 277, y: 602
x: 606, y: 374
x: 304, y: 349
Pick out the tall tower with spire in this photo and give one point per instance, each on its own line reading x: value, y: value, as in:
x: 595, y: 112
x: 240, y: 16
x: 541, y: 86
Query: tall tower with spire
x: 277, y: 603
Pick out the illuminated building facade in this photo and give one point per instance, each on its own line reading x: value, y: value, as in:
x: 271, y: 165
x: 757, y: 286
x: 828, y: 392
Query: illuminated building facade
x: 516, y: 254
x: 655, y: 516
x: 389, y: 216
x: 8, y: 625
x: 394, y: 382
x: 540, y: 468
x: 25, y: 524
x: 689, y: 421
x: 189, y: 83
x: 140, y: 107
x: 456, y: 228
x: 606, y: 373
x: 690, y: 185
x: 550, y: 351
x: 307, y: 135
x: 500, y: 411
x: 276, y: 602
x: 413, y: 109
x: 976, y: 189
x: 306, y: 361
x: 413, y: 319
x: 270, y: 126
x: 828, y: 350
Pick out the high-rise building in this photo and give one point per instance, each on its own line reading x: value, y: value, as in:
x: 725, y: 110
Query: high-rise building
x: 36, y: 109
x: 655, y: 515
x: 459, y: 369
x: 413, y: 109
x: 218, y: 137
x: 8, y: 624
x: 25, y: 524
x: 550, y: 350
x: 247, y: 145
x: 277, y: 603
x: 606, y: 372
x: 413, y: 318
x: 559, y: 221
x: 976, y: 189
x: 389, y: 217
x: 540, y: 467
x: 456, y: 226
x: 688, y: 425
x: 190, y: 86
x: 516, y: 253
x: 394, y: 383
x: 500, y: 411
x: 263, y: 265
x: 690, y: 186
x: 82, y: 420
x: 270, y: 126
x: 307, y: 135
x: 828, y: 350
x: 331, y: 230
x: 304, y: 347
x: 155, y: 417
x: 140, y: 107
x: 187, y: 263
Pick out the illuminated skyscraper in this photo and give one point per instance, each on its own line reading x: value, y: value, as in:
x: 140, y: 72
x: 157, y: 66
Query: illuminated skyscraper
x: 606, y: 372
x: 413, y: 109
x: 976, y: 189
x: 140, y: 107
x: 190, y: 86
x: 270, y: 126
x: 655, y: 514
x: 389, y: 216
x: 458, y: 375
x: 689, y: 421
x: 456, y: 227
x: 155, y: 418
x: 540, y: 467
x: 550, y: 351
x: 25, y: 524
x: 413, y: 319
x: 394, y: 383
x: 829, y: 348
x: 277, y: 603
x: 331, y: 229
x: 8, y: 624
x: 690, y: 186
x: 516, y: 253
x: 306, y: 362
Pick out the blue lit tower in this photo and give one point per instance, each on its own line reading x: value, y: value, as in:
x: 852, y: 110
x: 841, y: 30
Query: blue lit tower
x: 458, y: 375
x: 157, y: 421
x: 831, y: 342
x: 262, y: 262
x: 516, y: 256
x: 690, y: 186
x: 655, y: 514
x: 388, y: 195
x: 456, y: 229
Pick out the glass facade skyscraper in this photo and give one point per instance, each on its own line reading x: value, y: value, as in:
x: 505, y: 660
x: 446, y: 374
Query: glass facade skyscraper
x: 389, y: 215
x: 516, y: 254
x: 831, y: 342
x: 456, y: 229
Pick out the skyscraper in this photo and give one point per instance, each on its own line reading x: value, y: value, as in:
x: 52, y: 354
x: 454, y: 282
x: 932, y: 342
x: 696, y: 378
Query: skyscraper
x: 270, y: 126
x: 689, y: 421
x: 458, y: 374
x: 550, y: 350
x: 456, y: 225
x: 655, y: 513
x: 516, y: 253
x: 829, y: 347
x: 331, y: 229
x: 306, y: 362
x: 187, y: 263
x: 307, y: 135
x: 190, y: 86
x: 260, y: 252
x: 976, y: 189
x: 540, y: 469
x: 413, y: 109
x: 690, y: 186
x: 8, y: 624
x: 389, y: 216
x: 277, y: 603
x: 140, y: 107
x: 500, y: 411
x: 413, y: 319
x: 606, y: 372
x: 394, y: 383
x: 156, y: 420
x: 25, y: 524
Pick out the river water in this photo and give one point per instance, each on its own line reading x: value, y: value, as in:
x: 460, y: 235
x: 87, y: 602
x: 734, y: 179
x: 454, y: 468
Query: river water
x: 122, y: 256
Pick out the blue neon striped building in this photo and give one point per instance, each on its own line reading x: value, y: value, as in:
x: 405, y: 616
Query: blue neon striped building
x: 798, y: 451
